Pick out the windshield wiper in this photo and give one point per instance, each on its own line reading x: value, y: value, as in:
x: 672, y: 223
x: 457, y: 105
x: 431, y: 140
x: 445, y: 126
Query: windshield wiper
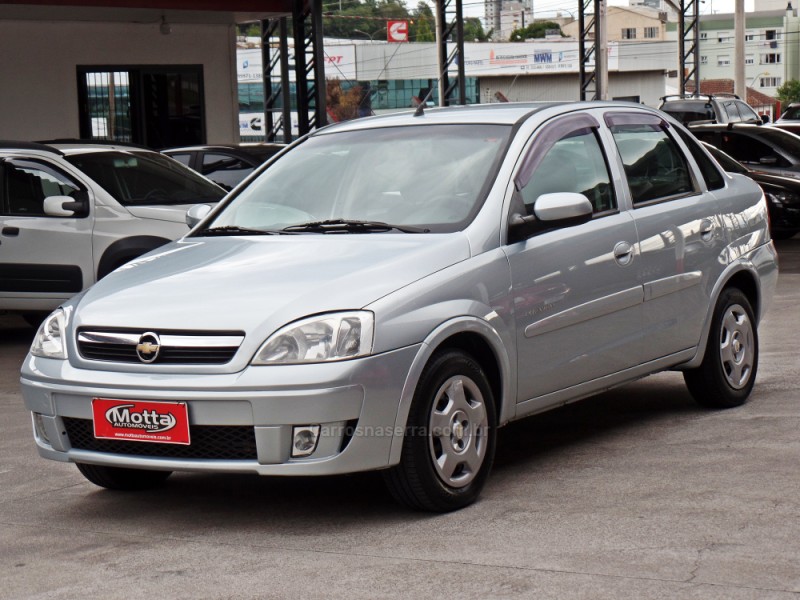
x: 348, y: 226
x: 235, y: 230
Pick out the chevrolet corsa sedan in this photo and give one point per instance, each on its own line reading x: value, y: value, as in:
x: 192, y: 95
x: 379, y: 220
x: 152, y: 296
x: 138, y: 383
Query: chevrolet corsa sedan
x: 394, y: 289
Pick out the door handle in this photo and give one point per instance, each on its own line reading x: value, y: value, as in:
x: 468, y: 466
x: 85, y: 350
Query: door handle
x: 706, y: 230
x: 10, y: 231
x: 623, y: 253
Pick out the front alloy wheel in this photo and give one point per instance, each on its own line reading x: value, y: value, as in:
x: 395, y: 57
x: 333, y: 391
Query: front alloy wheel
x: 449, y: 443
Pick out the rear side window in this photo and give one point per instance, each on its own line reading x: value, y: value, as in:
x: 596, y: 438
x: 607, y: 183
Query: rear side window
x: 732, y: 112
x: 655, y: 166
x: 713, y: 178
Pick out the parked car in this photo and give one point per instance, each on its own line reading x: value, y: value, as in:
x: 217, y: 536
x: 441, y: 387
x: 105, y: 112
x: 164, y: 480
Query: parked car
x: 225, y: 165
x: 783, y: 194
x: 716, y: 108
x: 72, y: 213
x: 790, y: 119
x: 393, y: 289
x: 767, y: 149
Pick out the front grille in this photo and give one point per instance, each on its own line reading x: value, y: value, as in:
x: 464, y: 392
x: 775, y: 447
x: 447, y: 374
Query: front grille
x: 210, y: 442
x: 186, y: 348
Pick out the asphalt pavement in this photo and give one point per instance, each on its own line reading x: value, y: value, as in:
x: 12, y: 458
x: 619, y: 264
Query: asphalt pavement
x: 637, y: 493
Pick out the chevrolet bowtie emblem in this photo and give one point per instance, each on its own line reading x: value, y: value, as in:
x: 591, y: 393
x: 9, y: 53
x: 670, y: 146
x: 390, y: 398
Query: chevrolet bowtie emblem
x: 148, y: 347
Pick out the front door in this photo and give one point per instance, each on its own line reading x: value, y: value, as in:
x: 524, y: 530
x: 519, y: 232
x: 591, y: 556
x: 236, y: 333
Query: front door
x: 41, y: 257
x: 576, y: 296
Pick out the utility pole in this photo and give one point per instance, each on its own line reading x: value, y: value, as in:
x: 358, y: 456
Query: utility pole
x: 739, y: 81
x: 601, y: 56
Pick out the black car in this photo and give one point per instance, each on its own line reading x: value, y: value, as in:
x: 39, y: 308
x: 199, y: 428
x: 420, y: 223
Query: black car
x: 225, y: 164
x: 717, y: 108
x: 783, y: 194
x: 790, y: 119
x: 767, y: 149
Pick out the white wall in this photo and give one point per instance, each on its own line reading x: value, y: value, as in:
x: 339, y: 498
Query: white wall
x: 38, y: 80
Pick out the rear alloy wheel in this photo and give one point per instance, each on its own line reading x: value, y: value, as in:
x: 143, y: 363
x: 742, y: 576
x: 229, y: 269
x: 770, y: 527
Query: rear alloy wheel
x: 448, y: 448
x: 118, y: 478
x: 727, y: 374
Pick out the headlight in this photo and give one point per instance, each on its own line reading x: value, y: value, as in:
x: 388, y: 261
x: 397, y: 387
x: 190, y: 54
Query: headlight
x: 50, y: 340
x: 323, y: 338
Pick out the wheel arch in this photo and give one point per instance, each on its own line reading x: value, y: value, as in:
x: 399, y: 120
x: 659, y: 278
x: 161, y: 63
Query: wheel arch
x: 742, y: 275
x: 125, y: 250
x: 480, y: 340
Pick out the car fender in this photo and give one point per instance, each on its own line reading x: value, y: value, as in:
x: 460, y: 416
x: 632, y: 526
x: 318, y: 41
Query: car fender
x: 761, y: 265
x: 127, y: 249
x: 462, y: 324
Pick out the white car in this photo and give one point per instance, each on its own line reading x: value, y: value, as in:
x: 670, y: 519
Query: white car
x: 72, y: 213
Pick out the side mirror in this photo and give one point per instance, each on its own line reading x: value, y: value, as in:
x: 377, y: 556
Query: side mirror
x: 197, y: 213
x: 551, y: 211
x: 66, y: 206
x: 765, y: 119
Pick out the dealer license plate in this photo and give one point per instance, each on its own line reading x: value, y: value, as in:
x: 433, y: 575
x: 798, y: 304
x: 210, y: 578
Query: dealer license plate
x: 141, y: 421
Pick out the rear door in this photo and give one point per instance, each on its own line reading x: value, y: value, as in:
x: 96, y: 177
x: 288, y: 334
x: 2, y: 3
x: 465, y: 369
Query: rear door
x: 40, y: 256
x: 681, y: 237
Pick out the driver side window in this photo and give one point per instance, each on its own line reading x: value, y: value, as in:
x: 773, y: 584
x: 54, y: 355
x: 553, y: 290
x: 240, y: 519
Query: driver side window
x: 575, y: 163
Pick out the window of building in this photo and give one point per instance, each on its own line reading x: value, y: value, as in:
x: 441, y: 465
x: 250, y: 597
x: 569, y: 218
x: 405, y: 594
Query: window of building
x: 723, y: 37
x: 703, y: 35
x: 629, y: 33
x: 723, y: 60
x: 749, y: 59
x: 703, y: 60
x: 769, y: 82
x: 749, y: 36
x: 770, y: 59
x: 651, y: 32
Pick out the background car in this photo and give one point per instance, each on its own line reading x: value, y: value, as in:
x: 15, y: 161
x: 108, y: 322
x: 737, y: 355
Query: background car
x: 767, y: 149
x: 717, y: 108
x: 70, y: 213
x: 387, y: 294
x: 225, y: 165
x: 790, y: 119
x: 782, y: 193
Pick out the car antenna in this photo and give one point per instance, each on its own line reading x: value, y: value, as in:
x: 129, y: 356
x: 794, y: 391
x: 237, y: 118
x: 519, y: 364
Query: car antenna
x: 420, y: 112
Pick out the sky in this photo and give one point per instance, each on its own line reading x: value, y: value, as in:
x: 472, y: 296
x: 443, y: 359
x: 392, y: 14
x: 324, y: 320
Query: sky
x: 550, y: 7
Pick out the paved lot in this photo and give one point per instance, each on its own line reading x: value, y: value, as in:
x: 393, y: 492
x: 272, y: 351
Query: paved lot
x: 634, y: 494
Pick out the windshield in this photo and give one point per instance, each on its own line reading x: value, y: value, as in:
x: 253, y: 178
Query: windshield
x: 788, y: 142
x: 793, y: 113
x: 145, y: 178
x: 434, y: 178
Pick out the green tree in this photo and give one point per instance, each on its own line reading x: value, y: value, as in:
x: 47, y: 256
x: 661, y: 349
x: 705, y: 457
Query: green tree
x: 362, y: 20
x: 473, y: 30
x: 538, y: 29
x: 789, y: 92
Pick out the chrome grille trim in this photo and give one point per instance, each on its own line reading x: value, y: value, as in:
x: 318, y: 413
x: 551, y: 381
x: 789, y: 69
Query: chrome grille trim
x: 175, y: 347
x: 167, y: 340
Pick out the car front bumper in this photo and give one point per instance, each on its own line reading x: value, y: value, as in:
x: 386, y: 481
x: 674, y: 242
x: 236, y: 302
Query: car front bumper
x: 354, y: 402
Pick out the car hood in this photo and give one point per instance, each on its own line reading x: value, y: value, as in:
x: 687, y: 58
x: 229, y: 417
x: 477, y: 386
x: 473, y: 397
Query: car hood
x: 175, y: 213
x: 258, y: 284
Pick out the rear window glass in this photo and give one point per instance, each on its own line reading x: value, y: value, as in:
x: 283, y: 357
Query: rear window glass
x: 711, y: 174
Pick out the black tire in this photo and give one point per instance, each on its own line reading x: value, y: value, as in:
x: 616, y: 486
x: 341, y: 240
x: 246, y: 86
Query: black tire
x: 727, y: 374
x: 418, y: 481
x: 118, y: 478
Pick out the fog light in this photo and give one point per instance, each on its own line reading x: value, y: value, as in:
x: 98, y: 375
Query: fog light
x: 38, y: 428
x: 304, y: 440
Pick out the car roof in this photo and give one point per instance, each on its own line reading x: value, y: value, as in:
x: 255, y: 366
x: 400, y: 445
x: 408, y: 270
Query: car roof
x: 505, y: 113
